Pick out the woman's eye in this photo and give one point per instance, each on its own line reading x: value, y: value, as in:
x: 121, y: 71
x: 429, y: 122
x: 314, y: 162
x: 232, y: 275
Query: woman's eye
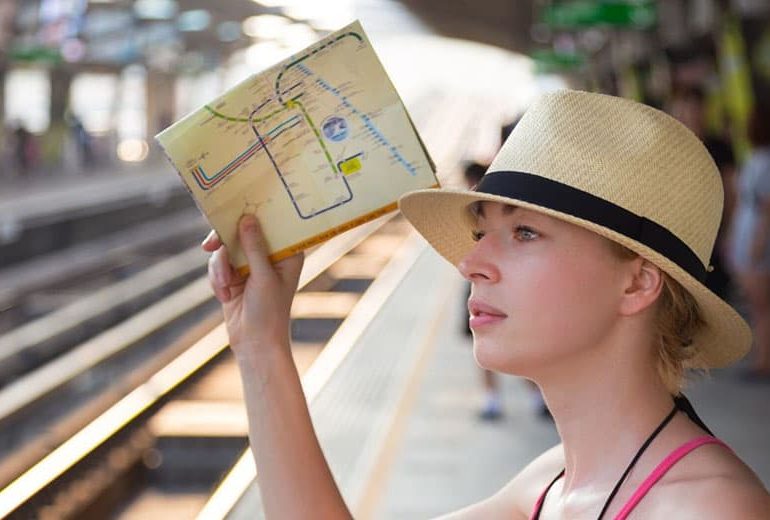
x: 524, y: 233
x: 477, y: 235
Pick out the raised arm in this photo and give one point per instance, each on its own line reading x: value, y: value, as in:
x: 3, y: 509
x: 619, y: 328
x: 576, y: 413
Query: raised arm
x: 294, y: 479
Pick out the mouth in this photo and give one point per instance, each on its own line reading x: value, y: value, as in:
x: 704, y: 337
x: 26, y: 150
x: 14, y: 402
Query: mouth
x: 483, y: 314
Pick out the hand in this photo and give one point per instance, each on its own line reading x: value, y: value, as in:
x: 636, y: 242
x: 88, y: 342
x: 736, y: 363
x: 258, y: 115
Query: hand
x: 256, y: 306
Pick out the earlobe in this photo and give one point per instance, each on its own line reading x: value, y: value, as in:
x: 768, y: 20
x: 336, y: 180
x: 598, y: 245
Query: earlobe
x: 644, y: 287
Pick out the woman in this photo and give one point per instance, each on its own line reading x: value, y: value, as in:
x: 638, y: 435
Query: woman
x: 585, y: 245
x: 750, y: 240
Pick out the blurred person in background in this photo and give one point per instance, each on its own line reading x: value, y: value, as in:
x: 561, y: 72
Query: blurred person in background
x: 749, y: 241
x: 24, y: 151
x: 688, y: 105
x: 82, y: 140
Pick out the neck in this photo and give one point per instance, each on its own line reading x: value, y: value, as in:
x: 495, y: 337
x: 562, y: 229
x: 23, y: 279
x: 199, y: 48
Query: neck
x: 604, y: 412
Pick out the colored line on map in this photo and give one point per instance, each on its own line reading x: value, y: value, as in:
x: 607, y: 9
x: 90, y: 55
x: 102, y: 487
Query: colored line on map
x: 294, y: 102
x: 350, y: 165
x: 297, y: 84
x: 206, y: 182
x: 305, y: 56
x: 245, y: 119
x: 283, y: 180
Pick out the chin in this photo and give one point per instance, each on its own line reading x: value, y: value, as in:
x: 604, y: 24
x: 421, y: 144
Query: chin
x: 516, y: 359
x: 499, y: 358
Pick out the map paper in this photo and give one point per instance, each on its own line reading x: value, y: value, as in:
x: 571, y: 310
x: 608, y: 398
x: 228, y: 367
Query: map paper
x: 313, y: 146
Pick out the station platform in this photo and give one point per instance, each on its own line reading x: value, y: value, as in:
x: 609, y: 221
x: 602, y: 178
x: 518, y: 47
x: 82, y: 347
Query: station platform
x: 399, y: 423
x: 44, y: 214
x: 43, y: 197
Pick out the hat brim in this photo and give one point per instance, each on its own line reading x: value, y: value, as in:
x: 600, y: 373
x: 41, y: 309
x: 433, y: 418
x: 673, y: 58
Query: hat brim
x: 441, y: 216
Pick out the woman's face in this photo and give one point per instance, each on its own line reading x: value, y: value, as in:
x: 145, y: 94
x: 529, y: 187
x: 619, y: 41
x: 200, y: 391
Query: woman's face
x: 543, y: 290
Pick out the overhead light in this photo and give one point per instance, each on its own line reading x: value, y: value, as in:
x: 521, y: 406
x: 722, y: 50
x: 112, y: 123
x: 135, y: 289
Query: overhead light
x: 265, y: 26
x: 280, y: 3
x: 133, y: 150
x: 194, y: 20
x: 155, y: 9
x: 229, y: 31
x: 264, y: 54
x: 327, y: 15
x: 297, y: 35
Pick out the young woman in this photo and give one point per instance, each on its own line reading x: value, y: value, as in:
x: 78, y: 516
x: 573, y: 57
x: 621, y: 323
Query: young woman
x: 586, y: 245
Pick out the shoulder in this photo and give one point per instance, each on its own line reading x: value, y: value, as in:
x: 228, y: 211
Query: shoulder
x: 713, y: 497
x: 716, y: 484
x: 521, y: 493
x: 517, y: 498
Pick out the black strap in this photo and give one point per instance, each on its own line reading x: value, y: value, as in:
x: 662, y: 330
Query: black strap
x: 641, y: 450
x: 536, y: 516
x: 566, y: 199
x: 684, y: 405
x: 681, y: 403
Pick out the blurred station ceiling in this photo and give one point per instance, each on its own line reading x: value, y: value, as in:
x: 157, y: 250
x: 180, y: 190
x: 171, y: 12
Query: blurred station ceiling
x: 503, y: 23
x: 189, y: 34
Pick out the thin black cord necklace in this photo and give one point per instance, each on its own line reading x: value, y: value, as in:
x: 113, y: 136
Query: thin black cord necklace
x: 644, y: 446
x: 678, y: 404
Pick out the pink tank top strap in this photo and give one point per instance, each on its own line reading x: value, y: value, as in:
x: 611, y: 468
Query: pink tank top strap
x: 662, y: 468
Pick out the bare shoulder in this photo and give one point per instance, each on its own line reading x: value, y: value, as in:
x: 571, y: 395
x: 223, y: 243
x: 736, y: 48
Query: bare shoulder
x: 717, y: 485
x: 526, y: 487
x: 517, y: 498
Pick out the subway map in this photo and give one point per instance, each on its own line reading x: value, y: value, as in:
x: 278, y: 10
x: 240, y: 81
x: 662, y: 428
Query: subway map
x: 314, y: 145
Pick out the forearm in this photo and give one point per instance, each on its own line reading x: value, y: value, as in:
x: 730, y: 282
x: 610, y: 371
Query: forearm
x: 294, y: 479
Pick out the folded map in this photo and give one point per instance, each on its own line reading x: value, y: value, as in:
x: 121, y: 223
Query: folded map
x: 313, y: 146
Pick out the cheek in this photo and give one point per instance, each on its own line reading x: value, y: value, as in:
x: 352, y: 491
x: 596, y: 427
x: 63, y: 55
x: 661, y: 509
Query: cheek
x: 555, y: 309
x: 575, y: 305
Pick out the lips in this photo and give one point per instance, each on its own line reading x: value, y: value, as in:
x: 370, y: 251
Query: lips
x: 483, y: 314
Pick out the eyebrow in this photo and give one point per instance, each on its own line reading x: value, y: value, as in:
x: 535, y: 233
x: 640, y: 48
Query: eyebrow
x: 477, y: 209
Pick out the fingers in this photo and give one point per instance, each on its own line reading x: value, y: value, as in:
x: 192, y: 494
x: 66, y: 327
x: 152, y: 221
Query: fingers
x: 290, y: 268
x: 211, y: 242
x: 253, y: 244
x: 220, y: 274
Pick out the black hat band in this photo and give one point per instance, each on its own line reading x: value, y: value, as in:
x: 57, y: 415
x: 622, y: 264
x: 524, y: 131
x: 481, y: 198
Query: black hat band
x: 560, y: 197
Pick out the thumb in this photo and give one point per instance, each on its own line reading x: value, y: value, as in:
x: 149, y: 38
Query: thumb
x: 253, y: 244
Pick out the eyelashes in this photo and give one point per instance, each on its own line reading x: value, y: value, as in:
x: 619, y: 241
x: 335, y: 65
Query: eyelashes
x: 521, y: 233
x: 526, y: 234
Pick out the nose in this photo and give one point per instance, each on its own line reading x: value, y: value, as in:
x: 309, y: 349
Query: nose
x: 479, y: 265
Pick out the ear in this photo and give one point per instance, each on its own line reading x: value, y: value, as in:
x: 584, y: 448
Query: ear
x: 642, y: 287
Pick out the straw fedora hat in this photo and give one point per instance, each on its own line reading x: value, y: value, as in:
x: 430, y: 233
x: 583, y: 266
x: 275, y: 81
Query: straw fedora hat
x: 616, y: 167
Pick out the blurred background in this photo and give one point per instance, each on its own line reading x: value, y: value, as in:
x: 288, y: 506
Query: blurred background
x: 86, y: 84
x: 118, y: 396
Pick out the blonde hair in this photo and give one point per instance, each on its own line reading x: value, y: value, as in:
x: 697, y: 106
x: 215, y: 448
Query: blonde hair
x: 677, y: 321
